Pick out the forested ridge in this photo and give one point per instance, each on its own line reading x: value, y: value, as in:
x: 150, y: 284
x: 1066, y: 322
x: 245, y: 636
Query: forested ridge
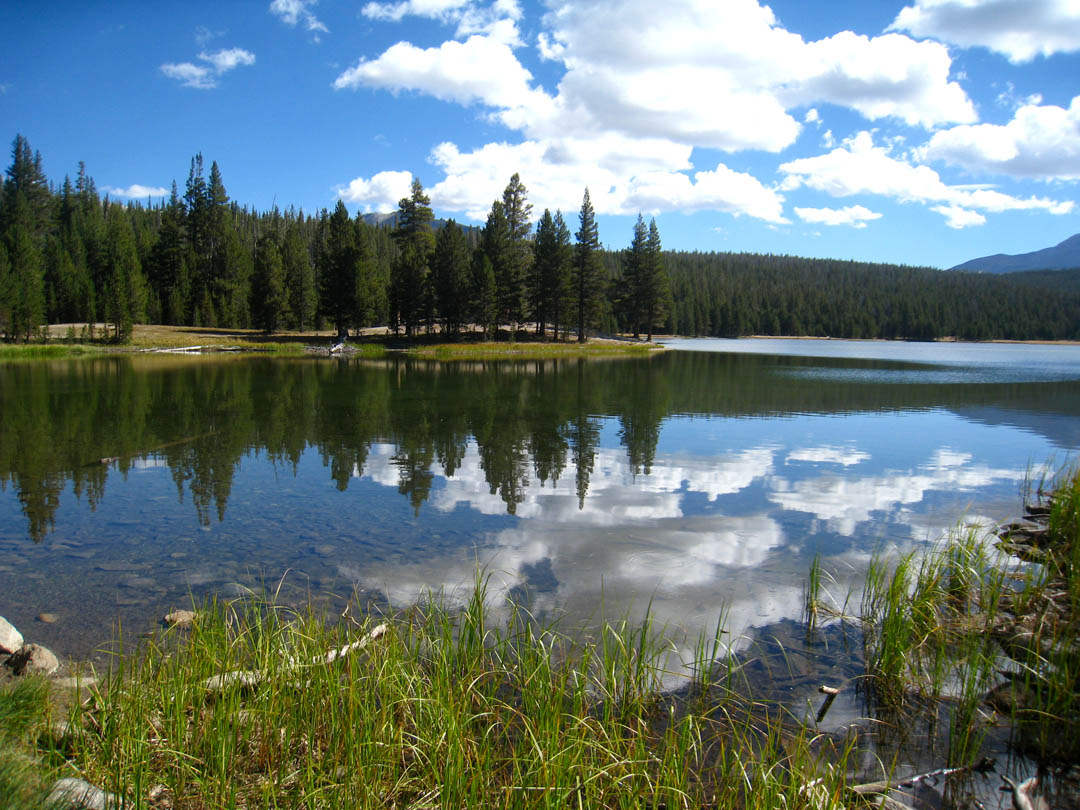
x: 199, y: 258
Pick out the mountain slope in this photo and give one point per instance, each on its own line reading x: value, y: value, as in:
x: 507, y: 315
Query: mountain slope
x: 1060, y: 257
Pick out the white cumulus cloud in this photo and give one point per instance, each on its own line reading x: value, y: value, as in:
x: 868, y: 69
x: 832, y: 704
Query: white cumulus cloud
x: 1019, y: 29
x: 204, y: 77
x: 957, y: 217
x: 380, y: 193
x: 630, y: 109
x: 198, y: 76
x: 1041, y: 141
x: 421, y: 8
x: 497, y: 19
x: 228, y: 58
x: 292, y: 12
x: 477, y: 70
x: 860, y: 167
x: 137, y: 191
x: 854, y: 215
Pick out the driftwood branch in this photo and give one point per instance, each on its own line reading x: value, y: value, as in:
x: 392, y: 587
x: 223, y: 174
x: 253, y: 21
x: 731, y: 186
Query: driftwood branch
x: 251, y: 678
x: 983, y: 765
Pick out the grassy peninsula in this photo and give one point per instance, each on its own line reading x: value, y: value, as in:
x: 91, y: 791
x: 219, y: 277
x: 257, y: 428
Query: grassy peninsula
x: 61, y: 341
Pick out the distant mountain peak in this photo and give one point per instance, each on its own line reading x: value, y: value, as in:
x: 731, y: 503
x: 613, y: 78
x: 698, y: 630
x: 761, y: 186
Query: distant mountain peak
x: 1063, y: 256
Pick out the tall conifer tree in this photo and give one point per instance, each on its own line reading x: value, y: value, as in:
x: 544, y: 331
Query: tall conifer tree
x: 299, y: 278
x: 341, y: 270
x: 656, y: 287
x: 125, y: 290
x: 549, y: 275
x: 411, y: 273
x: 269, y: 298
x: 451, y: 274
x: 634, y: 278
x: 586, y: 271
x: 513, y: 269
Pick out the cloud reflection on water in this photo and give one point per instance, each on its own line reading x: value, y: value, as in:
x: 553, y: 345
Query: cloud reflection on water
x: 645, y: 540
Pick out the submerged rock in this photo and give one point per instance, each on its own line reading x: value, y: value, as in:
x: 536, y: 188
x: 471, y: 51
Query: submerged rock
x: 33, y: 659
x: 10, y: 638
x: 180, y: 618
x: 47, y: 618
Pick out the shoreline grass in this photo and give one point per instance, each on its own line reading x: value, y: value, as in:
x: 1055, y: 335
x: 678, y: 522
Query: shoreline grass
x: 436, y: 708
x: 990, y: 630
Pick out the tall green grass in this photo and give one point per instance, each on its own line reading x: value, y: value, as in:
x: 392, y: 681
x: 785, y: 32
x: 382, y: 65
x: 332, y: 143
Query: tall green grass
x: 446, y: 709
x: 929, y: 623
x: 967, y: 624
x: 24, y: 710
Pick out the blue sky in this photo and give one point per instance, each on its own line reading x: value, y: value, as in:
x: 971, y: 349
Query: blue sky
x: 928, y: 132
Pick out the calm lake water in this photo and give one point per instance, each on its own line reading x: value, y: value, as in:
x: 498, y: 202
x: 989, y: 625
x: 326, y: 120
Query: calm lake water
x: 703, y: 479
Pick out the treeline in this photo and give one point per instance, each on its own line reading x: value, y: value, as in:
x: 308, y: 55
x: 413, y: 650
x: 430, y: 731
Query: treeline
x: 730, y: 294
x: 201, y: 259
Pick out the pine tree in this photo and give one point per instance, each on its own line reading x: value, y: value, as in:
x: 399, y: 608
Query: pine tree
x: 233, y: 283
x: 269, y: 299
x: 299, y: 278
x: 341, y: 270
x: 25, y: 285
x: 484, y: 303
x: 411, y: 273
x: 586, y: 270
x: 90, y: 233
x: 450, y: 268
x: 495, y: 242
x: 75, y: 294
x: 230, y: 259
x: 25, y: 204
x: 125, y: 289
x: 26, y: 179
x: 549, y: 274
x: 166, y: 270
x: 200, y: 245
x: 633, y: 296
x: 560, y: 278
x: 655, y: 285
x: 512, y: 269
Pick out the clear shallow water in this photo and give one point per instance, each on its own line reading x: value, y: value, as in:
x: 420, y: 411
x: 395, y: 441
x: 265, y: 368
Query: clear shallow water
x: 701, y: 480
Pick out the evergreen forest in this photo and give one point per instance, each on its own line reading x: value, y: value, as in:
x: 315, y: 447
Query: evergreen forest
x: 199, y: 258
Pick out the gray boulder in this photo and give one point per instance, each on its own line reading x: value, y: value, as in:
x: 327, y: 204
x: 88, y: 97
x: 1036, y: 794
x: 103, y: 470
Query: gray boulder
x: 33, y: 659
x: 10, y: 638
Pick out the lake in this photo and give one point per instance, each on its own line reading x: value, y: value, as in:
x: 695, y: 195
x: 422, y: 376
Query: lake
x: 702, y: 479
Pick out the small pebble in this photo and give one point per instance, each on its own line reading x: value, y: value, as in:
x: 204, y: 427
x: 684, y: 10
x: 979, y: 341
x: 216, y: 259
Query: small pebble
x: 48, y: 618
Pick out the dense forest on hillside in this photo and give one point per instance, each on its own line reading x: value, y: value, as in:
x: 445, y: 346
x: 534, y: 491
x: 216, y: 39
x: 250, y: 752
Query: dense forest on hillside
x: 198, y: 258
